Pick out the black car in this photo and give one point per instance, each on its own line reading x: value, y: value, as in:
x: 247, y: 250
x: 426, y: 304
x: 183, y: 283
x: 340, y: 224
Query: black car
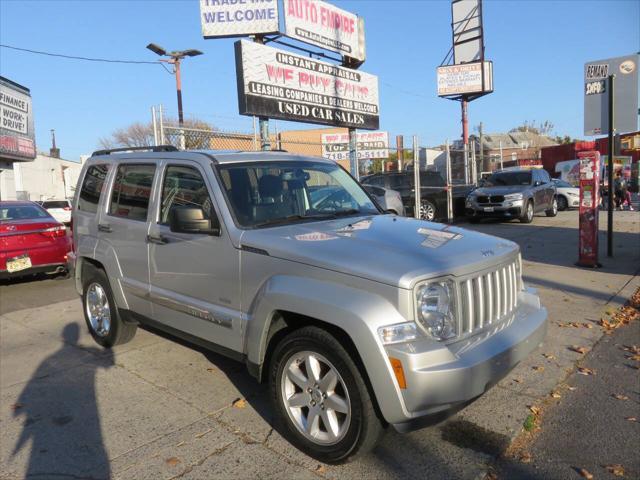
x: 513, y: 193
x: 434, y: 195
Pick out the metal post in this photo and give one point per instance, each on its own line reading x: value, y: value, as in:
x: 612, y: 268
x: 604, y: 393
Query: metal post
x: 265, y: 144
x: 501, y: 166
x: 465, y: 121
x: 448, y: 183
x: 154, y: 122
x: 353, y: 154
x: 255, y: 134
x: 485, y: 167
x: 176, y: 63
x: 610, y: 172
x: 466, y: 163
x: 474, y: 165
x: 400, y: 148
x: 417, y: 190
x: 162, y: 139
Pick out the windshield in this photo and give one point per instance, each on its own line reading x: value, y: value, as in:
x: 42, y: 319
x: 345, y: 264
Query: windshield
x: 508, y: 178
x: 22, y: 212
x: 562, y: 184
x: 55, y: 204
x: 271, y: 193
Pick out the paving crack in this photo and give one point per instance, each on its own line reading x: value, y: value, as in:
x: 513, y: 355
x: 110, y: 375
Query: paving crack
x: 199, y: 463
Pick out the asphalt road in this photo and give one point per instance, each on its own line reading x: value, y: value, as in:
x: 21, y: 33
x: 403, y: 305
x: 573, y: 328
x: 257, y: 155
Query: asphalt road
x: 34, y: 291
x: 588, y: 427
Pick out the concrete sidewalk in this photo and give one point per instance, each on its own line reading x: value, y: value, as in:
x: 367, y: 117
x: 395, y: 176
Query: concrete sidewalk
x: 155, y: 408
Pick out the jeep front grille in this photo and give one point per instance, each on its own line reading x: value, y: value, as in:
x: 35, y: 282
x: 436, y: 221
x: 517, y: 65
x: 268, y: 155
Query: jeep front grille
x: 488, y: 298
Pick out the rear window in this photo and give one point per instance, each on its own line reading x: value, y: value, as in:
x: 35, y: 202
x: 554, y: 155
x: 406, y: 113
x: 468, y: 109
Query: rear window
x: 92, y: 187
x: 55, y: 204
x: 22, y: 212
x: 131, y: 191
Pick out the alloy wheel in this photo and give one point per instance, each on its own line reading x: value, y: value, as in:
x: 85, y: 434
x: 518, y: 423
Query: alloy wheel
x: 98, y: 309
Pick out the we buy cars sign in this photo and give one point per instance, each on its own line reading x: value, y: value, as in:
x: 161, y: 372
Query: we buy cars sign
x: 277, y: 84
x: 335, y: 146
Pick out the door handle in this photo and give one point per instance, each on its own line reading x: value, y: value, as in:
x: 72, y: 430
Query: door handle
x: 103, y: 227
x: 157, y: 239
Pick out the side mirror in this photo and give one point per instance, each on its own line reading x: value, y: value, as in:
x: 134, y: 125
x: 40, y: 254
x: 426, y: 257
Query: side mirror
x: 192, y: 220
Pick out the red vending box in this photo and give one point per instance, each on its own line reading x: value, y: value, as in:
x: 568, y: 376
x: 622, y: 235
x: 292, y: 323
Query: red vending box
x: 589, y: 207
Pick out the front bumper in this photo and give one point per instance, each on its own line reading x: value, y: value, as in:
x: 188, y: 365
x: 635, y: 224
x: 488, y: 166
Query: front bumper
x: 447, y: 377
x: 506, y: 209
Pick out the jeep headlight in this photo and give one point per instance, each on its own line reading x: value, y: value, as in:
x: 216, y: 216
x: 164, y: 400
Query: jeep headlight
x: 513, y: 196
x: 435, y: 309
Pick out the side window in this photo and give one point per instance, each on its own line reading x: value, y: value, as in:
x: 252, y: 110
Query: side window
x: 184, y: 186
x: 376, y: 180
x: 545, y: 176
x: 396, y: 181
x: 92, y: 187
x: 535, y: 176
x: 131, y: 191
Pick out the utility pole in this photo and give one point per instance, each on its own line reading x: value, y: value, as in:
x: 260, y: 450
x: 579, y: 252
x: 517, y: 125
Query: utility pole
x: 174, y: 59
x: 400, y: 148
x: 485, y: 166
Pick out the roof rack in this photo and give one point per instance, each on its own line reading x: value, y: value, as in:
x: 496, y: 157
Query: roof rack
x: 155, y: 148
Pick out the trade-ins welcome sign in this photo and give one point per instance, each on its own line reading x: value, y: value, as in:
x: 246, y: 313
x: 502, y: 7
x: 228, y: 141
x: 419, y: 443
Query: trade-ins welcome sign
x: 277, y: 84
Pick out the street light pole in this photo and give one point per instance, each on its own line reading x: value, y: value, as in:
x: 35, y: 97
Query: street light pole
x: 174, y: 59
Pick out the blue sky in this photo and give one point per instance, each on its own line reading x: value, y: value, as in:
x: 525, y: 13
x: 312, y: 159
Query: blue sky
x: 538, y: 49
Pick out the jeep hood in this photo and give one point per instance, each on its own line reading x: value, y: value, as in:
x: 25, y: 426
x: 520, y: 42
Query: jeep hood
x: 389, y: 249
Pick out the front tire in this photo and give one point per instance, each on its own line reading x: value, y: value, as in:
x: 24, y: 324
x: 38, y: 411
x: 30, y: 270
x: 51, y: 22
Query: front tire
x: 427, y: 211
x: 100, y: 310
x: 320, y: 397
x: 527, y: 214
x: 553, y: 211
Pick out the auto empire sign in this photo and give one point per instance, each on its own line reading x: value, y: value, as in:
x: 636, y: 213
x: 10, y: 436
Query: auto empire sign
x: 465, y: 79
x: 17, y: 140
x: 235, y: 18
x: 321, y: 24
x: 277, y: 84
x: 335, y: 146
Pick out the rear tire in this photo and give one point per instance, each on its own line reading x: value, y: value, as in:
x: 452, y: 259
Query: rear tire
x: 563, y: 204
x: 100, y: 310
x: 427, y: 211
x: 553, y: 211
x: 299, y: 393
x: 527, y: 214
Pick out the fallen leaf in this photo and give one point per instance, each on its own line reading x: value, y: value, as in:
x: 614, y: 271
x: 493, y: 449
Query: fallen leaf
x: 535, y: 410
x: 556, y: 395
x: 538, y: 368
x: 525, y: 457
x: 200, y: 435
x: 321, y: 469
x: 240, y: 403
x: 635, y: 358
x: 633, y: 349
x: 16, y: 406
x: 616, y: 469
x: 618, y: 396
x: 580, y: 350
x: 210, y: 369
x: 585, y: 371
x: 571, y: 388
x: 517, y: 380
x: 172, y: 461
x: 587, y: 325
x: 631, y: 419
x: 491, y: 476
x: 548, y: 356
x: 585, y: 474
x: 180, y: 444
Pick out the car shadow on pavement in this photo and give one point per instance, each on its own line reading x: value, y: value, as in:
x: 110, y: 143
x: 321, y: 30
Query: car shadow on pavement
x: 61, y: 417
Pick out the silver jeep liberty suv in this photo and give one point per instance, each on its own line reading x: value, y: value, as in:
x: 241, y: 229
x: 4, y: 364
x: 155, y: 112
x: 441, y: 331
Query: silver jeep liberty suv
x: 357, y: 319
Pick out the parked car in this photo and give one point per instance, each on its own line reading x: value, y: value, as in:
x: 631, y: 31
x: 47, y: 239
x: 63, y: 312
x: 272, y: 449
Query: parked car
x: 357, y: 320
x: 513, y: 193
x: 568, y: 196
x: 31, y: 240
x: 59, y: 209
x: 389, y: 200
x: 434, y: 195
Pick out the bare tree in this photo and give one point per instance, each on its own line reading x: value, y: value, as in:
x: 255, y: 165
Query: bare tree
x: 141, y: 135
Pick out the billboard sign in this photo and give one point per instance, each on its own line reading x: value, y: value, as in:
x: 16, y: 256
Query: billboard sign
x: 278, y: 84
x: 465, y: 79
x: 326, y: 26
x: 236, y: 18
x: 17, y: 137
x: 335, y: 146
x: 468, y: 44
x: 596, y: 96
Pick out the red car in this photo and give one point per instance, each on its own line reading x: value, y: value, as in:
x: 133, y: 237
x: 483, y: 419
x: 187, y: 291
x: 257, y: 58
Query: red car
x: 31, y: 240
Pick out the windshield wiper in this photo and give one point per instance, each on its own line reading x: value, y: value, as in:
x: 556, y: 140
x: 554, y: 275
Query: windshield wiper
x: 287, y: 219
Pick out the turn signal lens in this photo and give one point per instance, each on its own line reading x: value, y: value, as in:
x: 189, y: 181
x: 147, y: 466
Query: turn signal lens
x: 54, y: 232
x: 399, y: 372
